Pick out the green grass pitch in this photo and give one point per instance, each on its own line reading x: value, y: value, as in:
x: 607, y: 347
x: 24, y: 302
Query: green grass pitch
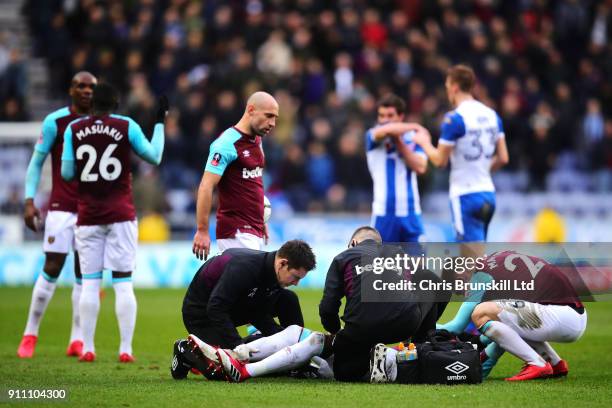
x: 148, y: 381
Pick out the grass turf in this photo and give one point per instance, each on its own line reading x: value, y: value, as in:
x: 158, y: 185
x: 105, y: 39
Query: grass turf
x: 148, y: 381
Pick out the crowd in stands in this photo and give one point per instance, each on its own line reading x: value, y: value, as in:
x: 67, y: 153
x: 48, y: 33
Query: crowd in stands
x: 544, y: 65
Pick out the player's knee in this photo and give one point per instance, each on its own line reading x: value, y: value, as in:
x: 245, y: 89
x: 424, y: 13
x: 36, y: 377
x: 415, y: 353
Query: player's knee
x: 54, y: 264
x: 294, y: 331
x: 315, y: 339
x: 484, y: 312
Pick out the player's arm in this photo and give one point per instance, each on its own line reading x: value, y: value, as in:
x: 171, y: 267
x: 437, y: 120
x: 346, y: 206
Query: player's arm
x: 332, y: 297
x: 232, y: 286
x: 222, y: 153
x: 266, y: 324
x: 68, y: 166
x: 392, y: 129
x: 501, y: 157
x: 464, y: 315
x: 32, y: 179
x: 152, y: 151
x: 201, y: 240
x: 438, y: 156
x: 415, y: 159
x: 453, y: 128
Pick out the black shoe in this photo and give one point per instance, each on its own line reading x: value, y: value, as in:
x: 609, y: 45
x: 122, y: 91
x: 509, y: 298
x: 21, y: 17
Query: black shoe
x: 179, y: 367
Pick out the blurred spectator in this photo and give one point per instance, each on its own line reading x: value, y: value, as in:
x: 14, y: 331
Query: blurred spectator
x: 542, y: 64
x: 602, y: 159
x: 12, y: 111
x: 343, y: 77
x: 319, y: 169
x: 274, y: 56
x: 592, y: 133
x: 540, y: 153
x: 292, y: 178
x: 13, y: 82
x: 13, y: 205
x: 149, y: 193
x: 352, y: 173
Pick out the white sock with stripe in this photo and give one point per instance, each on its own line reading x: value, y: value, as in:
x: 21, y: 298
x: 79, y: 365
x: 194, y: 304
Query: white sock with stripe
x: 289, y: 357
x: 125, y: 309
x: 546, y: 351
x: 510, y: 341
x: 89, y: 306
x: 44, y: 287
x: 75, y: 331
x: 267, y: 346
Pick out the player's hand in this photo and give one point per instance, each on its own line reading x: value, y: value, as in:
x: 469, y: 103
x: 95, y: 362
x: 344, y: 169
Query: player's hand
x: 201, y: 244
x: 266, y: 236
x: 162, y: 109
x: 31, y: 215
x: 243, y: 352
x: 422, y: 137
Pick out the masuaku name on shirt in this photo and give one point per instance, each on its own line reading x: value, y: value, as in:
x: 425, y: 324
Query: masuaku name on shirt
x: 100, y: 129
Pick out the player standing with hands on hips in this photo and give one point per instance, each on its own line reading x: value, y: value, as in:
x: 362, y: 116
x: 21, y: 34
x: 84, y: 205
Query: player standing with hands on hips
x: 60, y: 223
x: 97, y: 151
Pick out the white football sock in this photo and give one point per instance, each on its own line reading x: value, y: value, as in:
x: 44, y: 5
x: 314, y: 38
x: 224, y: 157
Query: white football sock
x: 510, y: 341
x: 267, y: 346
x: 546, y: 351
x: 41, y: 295
x: 289, y: 357
x: 89, y: 306
x: 391, y: 364
x: 125, y: 309
x: 75, y: 331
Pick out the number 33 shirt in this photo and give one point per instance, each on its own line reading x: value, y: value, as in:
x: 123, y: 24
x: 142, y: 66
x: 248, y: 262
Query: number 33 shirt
x: 97, y: 153
x: 473, y: 129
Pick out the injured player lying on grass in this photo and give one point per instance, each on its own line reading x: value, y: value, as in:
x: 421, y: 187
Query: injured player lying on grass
x: 294, y: 348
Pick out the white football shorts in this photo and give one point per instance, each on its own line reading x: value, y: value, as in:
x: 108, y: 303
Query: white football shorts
x: 241, y: 240
x: 60, y: 228
x: 536, y: 322
x: 111, y: 246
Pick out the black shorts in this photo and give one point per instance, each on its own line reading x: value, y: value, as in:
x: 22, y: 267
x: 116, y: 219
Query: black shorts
x: 351, y: 346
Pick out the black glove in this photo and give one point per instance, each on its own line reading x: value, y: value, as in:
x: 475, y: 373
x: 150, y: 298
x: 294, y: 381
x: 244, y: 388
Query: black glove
x: 162, y: 109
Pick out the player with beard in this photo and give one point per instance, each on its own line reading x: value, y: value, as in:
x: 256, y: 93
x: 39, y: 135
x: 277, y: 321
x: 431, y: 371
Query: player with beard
x: 60, y: 223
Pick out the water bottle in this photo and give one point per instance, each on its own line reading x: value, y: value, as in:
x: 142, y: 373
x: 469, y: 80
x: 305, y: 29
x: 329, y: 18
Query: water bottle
x: 406, y: 353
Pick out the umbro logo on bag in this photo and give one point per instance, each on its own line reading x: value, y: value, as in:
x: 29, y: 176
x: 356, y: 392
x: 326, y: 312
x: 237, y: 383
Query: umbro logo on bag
x: 456, y: 368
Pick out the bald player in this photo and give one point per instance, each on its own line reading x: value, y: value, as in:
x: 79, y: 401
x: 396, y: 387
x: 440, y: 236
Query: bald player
x: 60, y: 223
x: 235, y: 165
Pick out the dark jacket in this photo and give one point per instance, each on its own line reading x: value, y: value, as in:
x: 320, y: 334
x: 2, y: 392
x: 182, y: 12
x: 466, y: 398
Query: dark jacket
x: 348, y: 276
x: 237, y: 282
